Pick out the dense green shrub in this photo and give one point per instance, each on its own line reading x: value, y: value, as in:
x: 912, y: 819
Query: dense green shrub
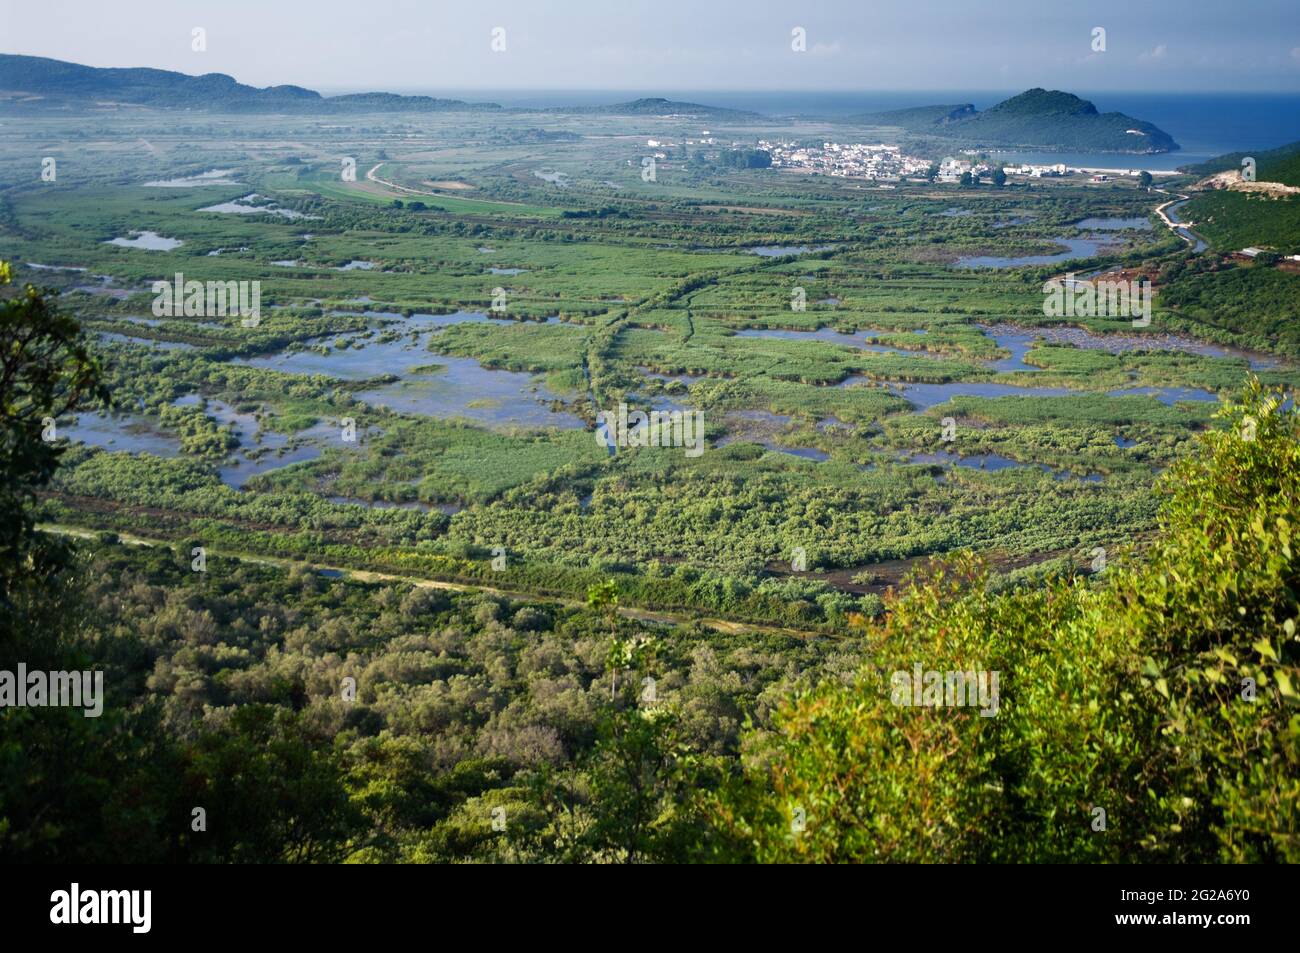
x: 1162, y: 694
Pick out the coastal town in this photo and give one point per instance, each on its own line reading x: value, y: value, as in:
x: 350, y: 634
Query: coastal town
x: 848, y: 160
x: 885, y: 162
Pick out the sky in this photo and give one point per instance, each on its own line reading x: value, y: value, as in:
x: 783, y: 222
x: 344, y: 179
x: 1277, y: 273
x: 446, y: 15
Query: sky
x: 414, y: 45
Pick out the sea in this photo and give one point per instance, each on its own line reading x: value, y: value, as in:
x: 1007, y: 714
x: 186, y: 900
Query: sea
x: 1204, y: 124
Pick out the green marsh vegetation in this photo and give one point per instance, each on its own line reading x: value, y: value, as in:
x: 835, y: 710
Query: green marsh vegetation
x: 322, y: 719
x: 659, y: 295
x: 529, y: 620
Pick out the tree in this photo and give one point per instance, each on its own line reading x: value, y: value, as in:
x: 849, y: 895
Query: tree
x: 1144, y: 179
x: 999, y: 177
x: 746, y: 158
x: 932, y: 172
x: 72, y: 788
x: 603, y: 598
x: 967, y: 180
x: 45, y: 373
x: 645, y: 786
x: 273, y: 792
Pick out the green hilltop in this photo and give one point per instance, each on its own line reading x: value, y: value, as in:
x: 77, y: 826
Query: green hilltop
x: 1272, y: 165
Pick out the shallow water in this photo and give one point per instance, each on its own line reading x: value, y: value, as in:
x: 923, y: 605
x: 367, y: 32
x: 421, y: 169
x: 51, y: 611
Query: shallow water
x: 1018, y: 343
x: 134, y: 434
x: 778, y: 251
x: 240, y: 468
x: 502, y: 397
x: 211, y: 177
x: 1076, y: 248
x: 1167, y: 395
x: 1114, y: 224
x: 805, y: 453
x: 976, y: 461
x: 759, y: 426
x: 833, y: 424
x: 994, y: 462
x: 1198, y: 244
x: 244, y: 206
x: 858, y: 339
x: 259, y: 451
x: 924, y: 396
x: 146, y: 342
x: 1020, y: 340
x: 149, y: 241
x: 126, y: 432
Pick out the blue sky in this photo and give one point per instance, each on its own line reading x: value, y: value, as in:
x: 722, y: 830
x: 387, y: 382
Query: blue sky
x: 403, y: 45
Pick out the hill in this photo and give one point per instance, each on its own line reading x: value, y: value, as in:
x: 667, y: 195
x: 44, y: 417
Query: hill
x: 658, y: 106
x: 1036, y: 118
x: 924, y: 117
x: 35, y: 82
x: 60, y: 84
x: 1271, y: 165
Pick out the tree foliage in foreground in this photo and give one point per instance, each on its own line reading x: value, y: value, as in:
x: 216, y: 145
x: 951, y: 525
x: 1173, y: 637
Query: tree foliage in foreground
x: 1146, y: 715
x: 45, y: 371
x: 1163, y: 696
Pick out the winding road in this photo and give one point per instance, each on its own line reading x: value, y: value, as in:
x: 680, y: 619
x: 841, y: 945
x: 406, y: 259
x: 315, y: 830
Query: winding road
x: 1182, y: 229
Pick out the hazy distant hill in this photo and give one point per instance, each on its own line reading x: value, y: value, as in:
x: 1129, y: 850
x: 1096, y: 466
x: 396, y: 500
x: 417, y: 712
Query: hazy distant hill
x: 1037, y: 118
x: 924, y: 117
x: 59, y: 83
x: 657, y: 106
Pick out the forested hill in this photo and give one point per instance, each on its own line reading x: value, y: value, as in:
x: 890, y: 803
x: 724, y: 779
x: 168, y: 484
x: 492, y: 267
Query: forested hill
x: 1037, y: 118
x: 1272, y: 165
x: 38, y: 82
